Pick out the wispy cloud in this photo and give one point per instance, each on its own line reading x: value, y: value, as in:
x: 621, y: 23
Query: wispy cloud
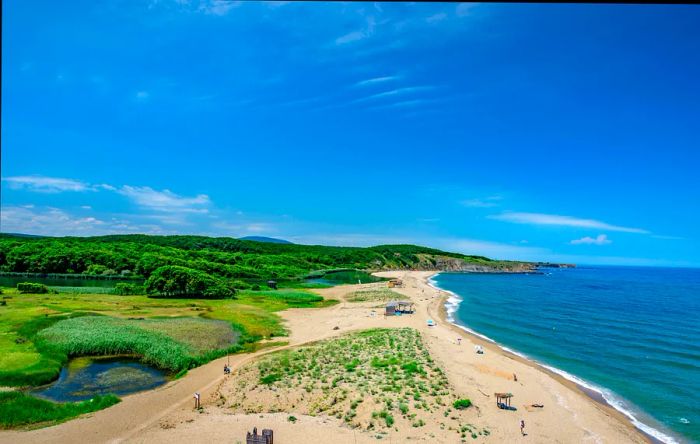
x: 406, y: 104
x: 243, y: 228
x: 440, y: 16
x: 217, y: 7
x: 485, y: 202
x: 357, y: 35
x: 601, y: 239
x: 395, y: 92
x: 463, y: 9
x: 45, y: 184
x: 51, y: 221
x: 563, y: 221
x: 165, y: 200
x: 376, y: 80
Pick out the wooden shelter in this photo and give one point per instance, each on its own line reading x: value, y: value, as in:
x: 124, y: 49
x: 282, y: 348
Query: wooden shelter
x: 503, y: 400
x: 398, y: 307
x: 272, y: 284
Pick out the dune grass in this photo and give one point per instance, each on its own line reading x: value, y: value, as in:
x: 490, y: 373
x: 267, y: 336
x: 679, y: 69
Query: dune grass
x: 18, y: 409
x: 375, y: 294
x: 375, y: 380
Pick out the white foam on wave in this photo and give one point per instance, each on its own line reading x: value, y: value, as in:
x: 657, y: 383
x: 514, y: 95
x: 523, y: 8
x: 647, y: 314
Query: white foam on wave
x: 452, y: 305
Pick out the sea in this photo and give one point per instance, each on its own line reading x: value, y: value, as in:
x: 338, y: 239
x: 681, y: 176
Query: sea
x: 631, y: 334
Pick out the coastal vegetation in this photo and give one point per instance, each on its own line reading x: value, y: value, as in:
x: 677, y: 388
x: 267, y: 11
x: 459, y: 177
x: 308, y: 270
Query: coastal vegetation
x: 377, y: 293
x: 375, y: 380
x: 40, y: 332
x: 247, y: 262
x: 18, y: 409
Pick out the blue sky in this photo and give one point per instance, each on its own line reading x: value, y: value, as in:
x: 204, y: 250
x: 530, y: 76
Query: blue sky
x: 535, y: 132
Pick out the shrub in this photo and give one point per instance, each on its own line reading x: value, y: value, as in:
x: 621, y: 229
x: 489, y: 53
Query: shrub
x: 292, y: 418
x: 176, y: 281
x: 31, y: 287
x: 462, y: 404
x: 389, y: 420
x: 270, y: 379
x: 126, y: 289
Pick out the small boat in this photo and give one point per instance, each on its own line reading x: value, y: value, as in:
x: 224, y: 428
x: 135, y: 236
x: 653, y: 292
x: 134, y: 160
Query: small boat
x: 431, y: 323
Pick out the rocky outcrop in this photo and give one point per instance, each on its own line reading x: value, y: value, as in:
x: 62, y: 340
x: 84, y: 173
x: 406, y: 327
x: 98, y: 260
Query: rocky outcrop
x: 446, y: 263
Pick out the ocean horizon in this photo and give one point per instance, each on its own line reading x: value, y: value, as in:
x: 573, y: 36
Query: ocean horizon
x: 626, y: 333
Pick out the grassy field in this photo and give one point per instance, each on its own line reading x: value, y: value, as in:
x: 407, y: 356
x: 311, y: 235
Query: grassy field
x: 376, y: 380
x: 18, y: 409
x: 38, y: 333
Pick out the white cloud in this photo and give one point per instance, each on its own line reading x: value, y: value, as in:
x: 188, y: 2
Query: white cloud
x: 376, y: 80
x: 50, y: 221
x: 486, y: 202
x: 601, y: 239
x: 463, y: 9
x: 564, y: 221
x: 217, y: 7
x: 357, y: 35
x: 395, y: 92
x: 45, y: 184
x: 351, y: 37
x: 165, y: 200
x: 440, y: 16
x: 243, y: 228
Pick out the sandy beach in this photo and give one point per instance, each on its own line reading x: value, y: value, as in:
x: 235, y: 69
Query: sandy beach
x: 167, y: 415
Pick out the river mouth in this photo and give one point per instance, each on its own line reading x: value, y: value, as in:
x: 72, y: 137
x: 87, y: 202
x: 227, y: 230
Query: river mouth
x: 86, y: 377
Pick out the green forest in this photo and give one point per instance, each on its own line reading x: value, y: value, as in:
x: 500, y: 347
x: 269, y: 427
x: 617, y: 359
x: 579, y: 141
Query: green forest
x: 239, y: 262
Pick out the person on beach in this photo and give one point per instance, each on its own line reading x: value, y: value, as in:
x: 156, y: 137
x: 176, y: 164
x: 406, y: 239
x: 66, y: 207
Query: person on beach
x: 522, y: 427
x: 459, y: 341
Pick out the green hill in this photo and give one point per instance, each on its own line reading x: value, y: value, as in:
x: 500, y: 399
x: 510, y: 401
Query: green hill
x: 140, y: 255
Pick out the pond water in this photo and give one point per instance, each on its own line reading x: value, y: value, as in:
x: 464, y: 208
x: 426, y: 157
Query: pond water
x: 83, y: 378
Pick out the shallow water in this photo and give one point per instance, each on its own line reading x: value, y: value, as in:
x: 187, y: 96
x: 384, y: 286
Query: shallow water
x: 83, y: 378
x: 632, y: 334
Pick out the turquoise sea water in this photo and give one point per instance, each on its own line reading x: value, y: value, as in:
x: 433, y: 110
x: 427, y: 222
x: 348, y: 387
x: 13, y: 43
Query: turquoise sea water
x: 631, y: 333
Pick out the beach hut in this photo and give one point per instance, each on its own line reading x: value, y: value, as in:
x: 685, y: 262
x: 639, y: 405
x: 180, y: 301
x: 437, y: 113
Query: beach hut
x: 272, y: 284
x: 503, y: 401
x: 398, y: 307
x: 405, y: 307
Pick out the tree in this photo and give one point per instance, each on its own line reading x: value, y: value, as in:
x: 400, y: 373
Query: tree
x: 176, y: 281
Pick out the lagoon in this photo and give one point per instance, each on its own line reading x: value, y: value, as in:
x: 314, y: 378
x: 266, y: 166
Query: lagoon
x: 83, y: 378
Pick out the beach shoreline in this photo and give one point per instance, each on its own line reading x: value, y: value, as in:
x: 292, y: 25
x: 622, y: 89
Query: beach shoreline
x: 446, y: 316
